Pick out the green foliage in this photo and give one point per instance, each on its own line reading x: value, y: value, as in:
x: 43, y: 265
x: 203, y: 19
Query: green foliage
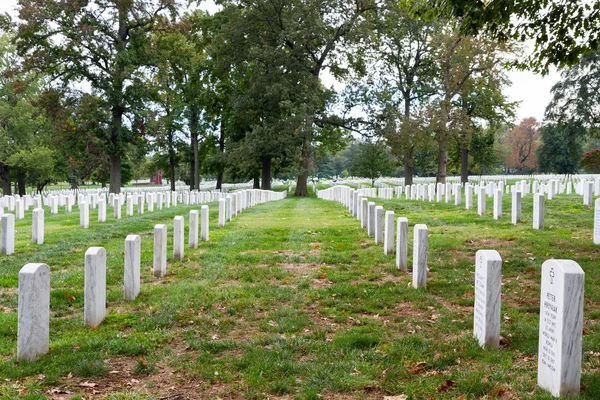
x: 36, y: 166
x: 576, y: 96
x: 561, y: 150
x: 372, y: 161
x: 554, y: 26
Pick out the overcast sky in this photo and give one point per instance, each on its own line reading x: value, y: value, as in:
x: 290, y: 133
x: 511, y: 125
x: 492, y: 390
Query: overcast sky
x: 531, y: 90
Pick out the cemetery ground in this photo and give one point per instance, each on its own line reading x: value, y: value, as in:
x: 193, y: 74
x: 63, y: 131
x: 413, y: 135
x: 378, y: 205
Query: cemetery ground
x: 292, y: 300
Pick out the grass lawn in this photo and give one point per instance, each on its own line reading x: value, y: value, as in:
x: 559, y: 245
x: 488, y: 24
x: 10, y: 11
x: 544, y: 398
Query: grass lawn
x: 293, y: 300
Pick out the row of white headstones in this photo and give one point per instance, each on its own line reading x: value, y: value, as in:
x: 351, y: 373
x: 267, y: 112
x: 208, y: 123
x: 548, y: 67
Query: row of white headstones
x: 34, y: 279
x: 561, y: 299
x: 233, y: 202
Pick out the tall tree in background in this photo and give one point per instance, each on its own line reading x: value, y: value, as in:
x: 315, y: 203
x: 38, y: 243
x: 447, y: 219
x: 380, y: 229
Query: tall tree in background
x: 561, y: 149
x: 524, y: 141
x: 576, y: 97
x: 404, y: 77
x: 460, y: 60
x: 100, y: 42
x: 372, y: 161
x: 25, y: 153
x: 316, y: 35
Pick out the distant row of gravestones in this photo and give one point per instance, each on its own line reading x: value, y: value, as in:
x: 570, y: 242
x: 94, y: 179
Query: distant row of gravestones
x: 561, y: 299
x: 540, y: 190
x: 234, y: 203
x: 34, y: 279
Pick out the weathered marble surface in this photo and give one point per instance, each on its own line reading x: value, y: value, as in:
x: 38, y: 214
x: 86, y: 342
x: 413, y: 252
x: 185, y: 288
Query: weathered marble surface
x: 402, y: 244
x: 228, y: 210
x: 140, y: 204
x: 364, y: 213
x: 371, y: 219
x: 193, y: 230
x: 222, y: 216
x: 420, y: 256
x: 538, y: 211
x: 178, y: 237
x: 561, y: 326
x: 378, y: 231
x: 7, y: 243
x: 498, y: 204
x: 84, y: 215
x: 515, y: 215
x: 37, y: 226
x: 131, y: 275
x: 481, y: 199
x: 102, y: 210
x: 94, y: 309
x: 488, y: 284
x: 160, y: 250
x: 204, y: 235
x: 468, y: 196
x: 388, y: 241
x: 33, y: 329
x: 597, y: 221
x: 117, y: 208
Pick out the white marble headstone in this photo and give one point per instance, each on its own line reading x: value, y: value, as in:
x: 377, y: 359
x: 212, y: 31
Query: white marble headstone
x: 131, y: 276
x: 204, y: 223
x: 402, y: 244
x: 160, y: 250
x: 193, y: 230
x: 488, y: 283
x: 388, y: 241
x: 538, y: 211
x: 7, y: 242
x: 561, y: 326
x: 33, y: 329
x: 420, y: 256
x: 94, y: 309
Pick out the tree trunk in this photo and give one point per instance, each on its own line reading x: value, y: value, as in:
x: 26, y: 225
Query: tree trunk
x: 21, y: 185
x: 302, y: 181
x: 442, y: 158
x: 464, y: 165
x: 222, y: 150
x: 256, y: 184
x: 266, y: 173
x: 408, y: 168
x: 171, y: 160
x: 115, y: 173
x: 195, y: 173
x: 5, y: 179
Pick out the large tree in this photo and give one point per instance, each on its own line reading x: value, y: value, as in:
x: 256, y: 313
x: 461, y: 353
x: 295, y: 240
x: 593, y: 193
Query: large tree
x: 315, y: 35
x: 561, y: 148
x: 463, y: 61
x: 404, y: 78
x: 576, y: 97
x: 100, y: 43
x: 561, y: 30
x: 524, y: 142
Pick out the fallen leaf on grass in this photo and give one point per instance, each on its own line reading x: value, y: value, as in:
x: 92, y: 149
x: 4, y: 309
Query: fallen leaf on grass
x: 416, y: 368
x: 444, y: 387
x: 397, y: 397
x: 69, y: 297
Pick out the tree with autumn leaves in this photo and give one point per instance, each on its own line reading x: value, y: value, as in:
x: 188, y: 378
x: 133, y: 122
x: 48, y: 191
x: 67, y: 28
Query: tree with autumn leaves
x: 523, y: 142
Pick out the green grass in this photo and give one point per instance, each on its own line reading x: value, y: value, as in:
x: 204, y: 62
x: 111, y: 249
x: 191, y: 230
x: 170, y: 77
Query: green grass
x: 293, y: 300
